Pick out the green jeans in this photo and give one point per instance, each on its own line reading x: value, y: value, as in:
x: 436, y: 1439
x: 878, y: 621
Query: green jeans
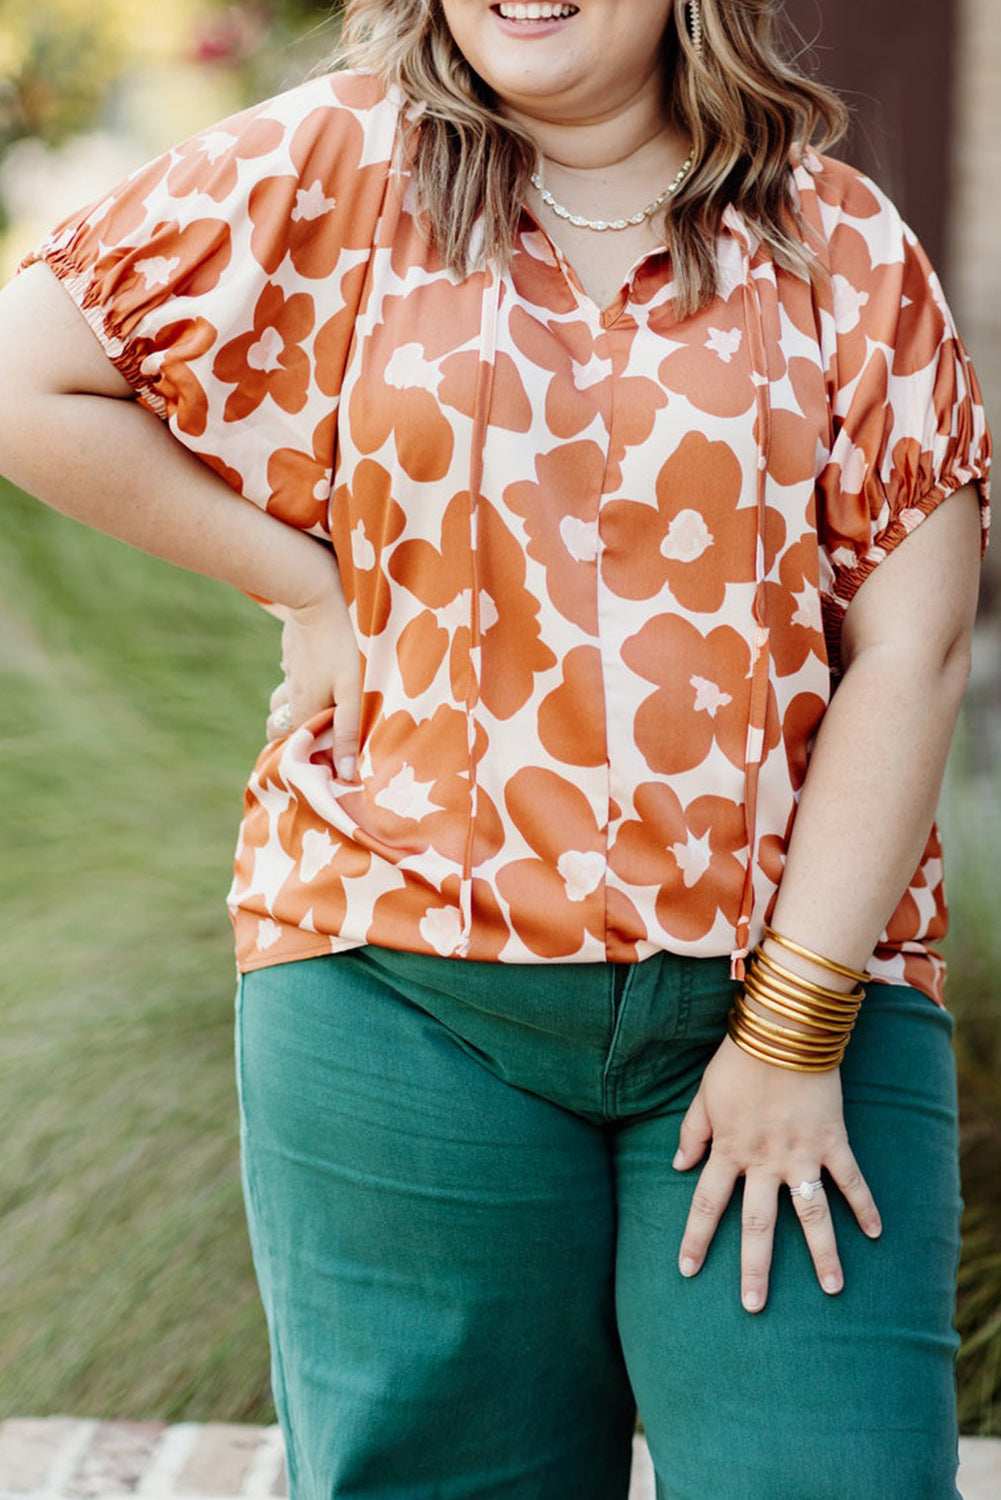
x: 465, y: 1227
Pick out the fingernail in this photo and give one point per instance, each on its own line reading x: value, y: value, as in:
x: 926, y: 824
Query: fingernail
x: 679, y: 1159
x: 346, y: 768
x: 753, y: 1302
x: 874, y: 1230
x: 832, y: 1283
x: 688, y: 1266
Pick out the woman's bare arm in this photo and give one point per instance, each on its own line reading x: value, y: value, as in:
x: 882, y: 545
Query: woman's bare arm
x: 876, y: 770
x: 866, y: 809
x: 70, y: 435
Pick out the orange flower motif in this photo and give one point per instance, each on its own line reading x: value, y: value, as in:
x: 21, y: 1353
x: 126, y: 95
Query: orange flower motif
x: 513, y: 649
x: 536, y: 273
x: 799, y: 725
x: 426, y: 921
x: 795, y: 440
x: 166, y: 363
x: 333, y: 338
x: 569, y: 727
x: 711, y: 366
x: 365, y: 520
x: 589, y: 380
x: 696, y: 540
x: 921, y: 329
x: 692, y: 854
x: 292, y: 865
x: 397, y: 392
x: 297, y: 215
x: 702, y: 694
x: 293, y: 220
x: 558, y: 898
x: 577, y: 390
x: 324, y: 859
x: 509, y: 406
x: 635, y: 405
x: 422, y: 647
x: 270, y: 360
x: 792, y: 609
x: 174, y: 262
x: 922, y: 910
x: 560, y: 511
x: 209, y: 163
x: 300, y: 482
x: 441, y: 579
x: 416, y: 796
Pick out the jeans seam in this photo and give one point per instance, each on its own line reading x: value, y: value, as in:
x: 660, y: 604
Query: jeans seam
x: 279, y: 1384
x: 684, y: 1003
x: 617, y: 1016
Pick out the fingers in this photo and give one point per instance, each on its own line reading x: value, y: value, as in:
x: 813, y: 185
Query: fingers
x: 347, y: 715
x: 346, y: 698
x: 757, y: 1225
x: 712, y: 1194
x: 696, y: 1133
x: 814, y: 1213
x: 847, y: 1174
x: 280, y: 719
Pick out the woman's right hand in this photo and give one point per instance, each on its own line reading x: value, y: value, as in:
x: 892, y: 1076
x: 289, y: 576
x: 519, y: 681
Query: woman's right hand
x: 322, y: 669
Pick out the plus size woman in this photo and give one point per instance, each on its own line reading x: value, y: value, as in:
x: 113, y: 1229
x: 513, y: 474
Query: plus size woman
x: 620, y: 480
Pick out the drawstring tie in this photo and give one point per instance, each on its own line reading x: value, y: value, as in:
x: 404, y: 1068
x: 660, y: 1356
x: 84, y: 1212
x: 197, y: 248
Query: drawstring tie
x: 760, y: 650
x: 482, y: 397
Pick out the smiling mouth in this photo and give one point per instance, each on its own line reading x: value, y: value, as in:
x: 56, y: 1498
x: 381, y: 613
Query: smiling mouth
x: 533, y: 12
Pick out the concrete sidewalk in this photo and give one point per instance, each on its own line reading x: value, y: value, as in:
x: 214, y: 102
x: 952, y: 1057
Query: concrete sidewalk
x: 71, y: 1458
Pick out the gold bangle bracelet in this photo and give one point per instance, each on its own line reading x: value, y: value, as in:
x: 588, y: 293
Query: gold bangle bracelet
x: 786, y: 976
x: 780, y: 1062
x: 791, y: 1041
x: 794, y: 1064
x: 794, y: 1012
x: 799, y: 1013
x: 836, y: 997
x: 772, y: 1024
x: 815, y: 958
x: 757, y: 981
x: 767, y: 1029
x: 763, y: 1055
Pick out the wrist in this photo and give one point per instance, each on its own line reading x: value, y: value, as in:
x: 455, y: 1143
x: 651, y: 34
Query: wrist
x: 785, y: 1018
x: 804, y: 968
x: 317, y: 586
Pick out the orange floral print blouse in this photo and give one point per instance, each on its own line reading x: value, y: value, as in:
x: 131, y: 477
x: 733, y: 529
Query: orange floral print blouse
x: 596, y: 560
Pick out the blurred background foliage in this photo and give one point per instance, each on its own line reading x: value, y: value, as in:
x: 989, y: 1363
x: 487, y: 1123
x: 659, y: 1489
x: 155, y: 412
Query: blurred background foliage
x: 126, y: 735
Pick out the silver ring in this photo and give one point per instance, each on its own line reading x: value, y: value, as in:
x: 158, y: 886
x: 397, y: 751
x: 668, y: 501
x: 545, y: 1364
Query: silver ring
x: 282, y: 718
x: 806, y: 1190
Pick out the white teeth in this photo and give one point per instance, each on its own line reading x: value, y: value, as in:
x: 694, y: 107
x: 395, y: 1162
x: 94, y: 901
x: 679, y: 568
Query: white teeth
x: 535, y: 11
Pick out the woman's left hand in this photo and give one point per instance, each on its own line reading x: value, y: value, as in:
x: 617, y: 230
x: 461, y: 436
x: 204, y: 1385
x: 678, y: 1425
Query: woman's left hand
x: 776, y: 1128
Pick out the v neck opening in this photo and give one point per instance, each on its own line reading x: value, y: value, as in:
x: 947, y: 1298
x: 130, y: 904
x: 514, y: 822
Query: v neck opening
x: 612, y: 310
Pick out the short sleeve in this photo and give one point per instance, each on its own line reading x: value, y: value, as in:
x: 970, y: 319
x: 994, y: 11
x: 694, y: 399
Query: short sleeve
x: 907, y: 418
x: 223, y: 279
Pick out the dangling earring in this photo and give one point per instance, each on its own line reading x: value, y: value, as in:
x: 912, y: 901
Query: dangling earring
x: 695, y: 25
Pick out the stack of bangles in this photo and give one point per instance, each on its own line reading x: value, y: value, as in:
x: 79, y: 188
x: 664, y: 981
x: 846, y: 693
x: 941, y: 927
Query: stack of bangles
x: 785, y: 996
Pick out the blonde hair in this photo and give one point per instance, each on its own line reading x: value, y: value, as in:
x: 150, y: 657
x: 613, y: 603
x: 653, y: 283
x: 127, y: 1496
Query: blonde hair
x: 744, y: 106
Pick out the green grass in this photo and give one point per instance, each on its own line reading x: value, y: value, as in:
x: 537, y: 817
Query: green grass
x: 971, y: 820
x: 131, y: 708
x: 132, y: 700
